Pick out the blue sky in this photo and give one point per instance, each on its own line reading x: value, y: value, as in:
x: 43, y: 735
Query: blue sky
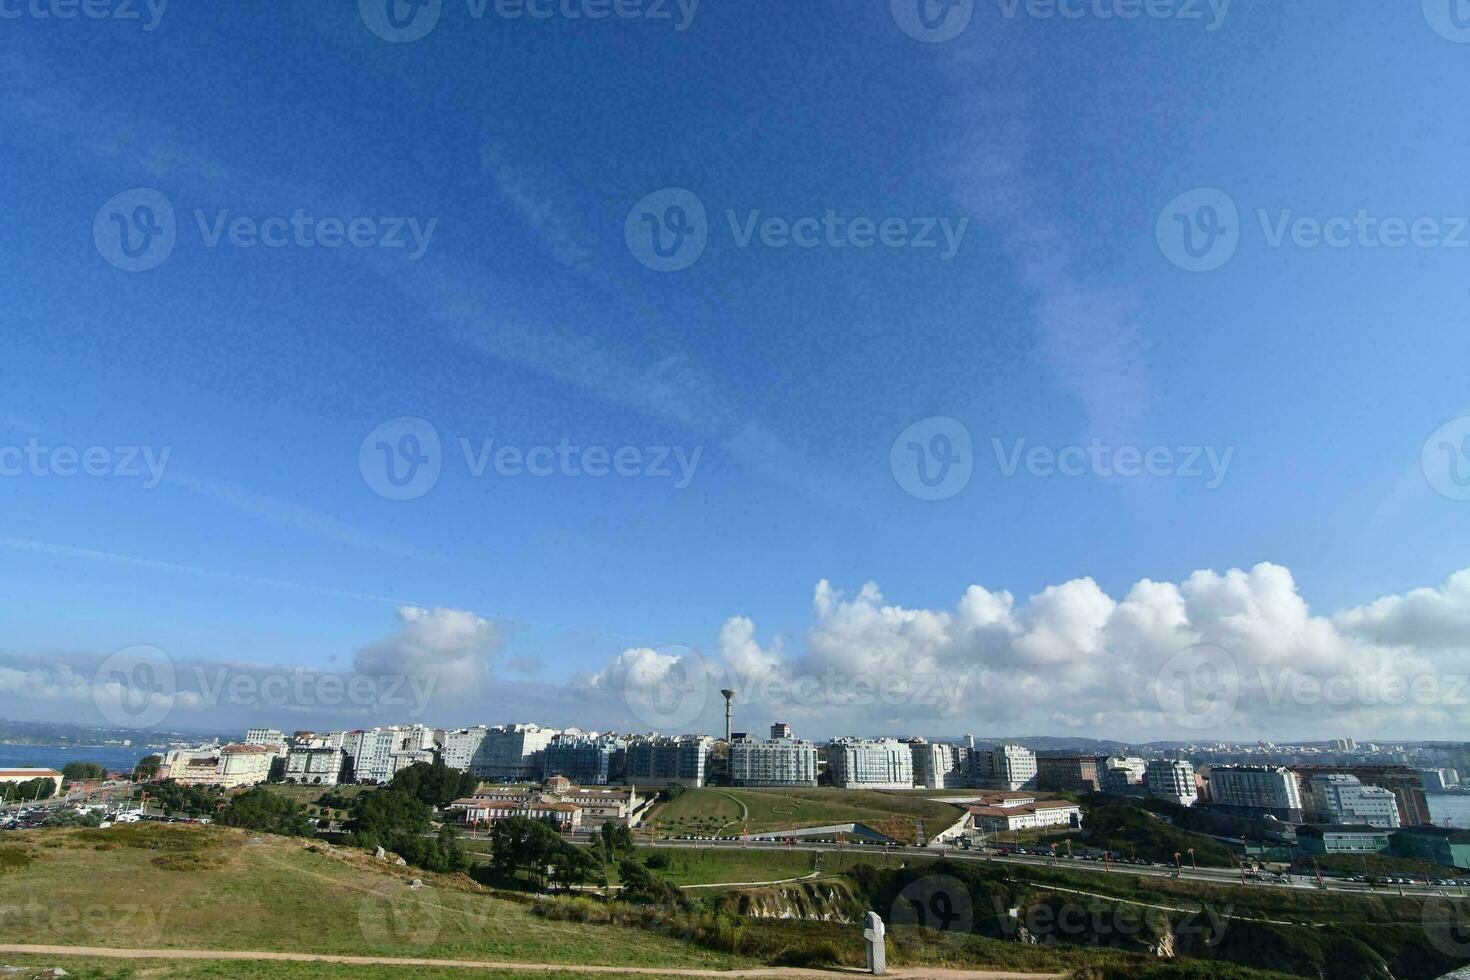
x: 528, y: 319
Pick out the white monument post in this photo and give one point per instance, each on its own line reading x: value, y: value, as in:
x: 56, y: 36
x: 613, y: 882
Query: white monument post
x: 873, y: 933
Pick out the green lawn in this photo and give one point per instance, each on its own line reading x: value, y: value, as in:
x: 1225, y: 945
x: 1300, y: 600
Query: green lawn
x: 715, y: 812
x: 715, y: 866
x: 208, y: 887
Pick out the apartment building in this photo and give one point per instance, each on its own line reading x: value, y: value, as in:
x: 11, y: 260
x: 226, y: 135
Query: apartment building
x: 1439, y: 780
x: 1172, y: 780
x: 882, y: 763
x: 245, y: 765
x: 513, y: 753
x: 1256, y: 791
x: 775, y: 761
x: 1341, y: 798
x: 232, y: 765
x: 586, y: 759
x: 315, y: 765
x: 939, y: 766
x: 1123, y: 775
x: 1401, y: 781
x: 461, y: 745
x: 1011, y: 768
x: 1071, y: 773
x: 266, y: 736
x: 658, y: 760
x: 376, y: 754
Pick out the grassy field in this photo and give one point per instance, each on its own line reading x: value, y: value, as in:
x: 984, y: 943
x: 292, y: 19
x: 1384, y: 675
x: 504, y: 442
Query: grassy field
x: 101, y: 968
x: 714, y: 812
x: 208, y: 887
x: 706, y: 867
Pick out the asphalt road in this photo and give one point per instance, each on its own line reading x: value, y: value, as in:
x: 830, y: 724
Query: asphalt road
x: 1213, y: 876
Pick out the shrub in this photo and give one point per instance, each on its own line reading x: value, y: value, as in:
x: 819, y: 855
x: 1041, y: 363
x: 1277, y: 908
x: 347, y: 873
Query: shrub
x: 13, y: 859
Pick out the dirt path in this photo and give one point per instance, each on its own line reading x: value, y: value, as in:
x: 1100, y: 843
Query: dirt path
x: 108, y: 952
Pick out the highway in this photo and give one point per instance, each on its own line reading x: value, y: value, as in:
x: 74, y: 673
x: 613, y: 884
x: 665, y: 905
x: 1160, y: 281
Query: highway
x: 1209, y: 876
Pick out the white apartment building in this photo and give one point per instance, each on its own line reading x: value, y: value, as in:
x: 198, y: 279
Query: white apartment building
x: 939, y: 766
x: 460, y: 746
x: 883, y: 763
x: 315, y: 765
x: 512, y: 753
x: 1438, y: 780
x: 1257, y: 790
x: 236, y: 764
x: 272, y: 737
x: 245, y: 765
x: 1011, y: 768
x: 1342, y: 799
x: 377, y: 753
x: 658, y: 760
x: 1171, y: 780
x: 773, y: 762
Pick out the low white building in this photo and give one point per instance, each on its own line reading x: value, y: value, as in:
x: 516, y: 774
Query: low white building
x: 1003, y: 813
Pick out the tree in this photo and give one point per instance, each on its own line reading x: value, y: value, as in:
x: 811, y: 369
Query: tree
x: 266, y: 811
x: 533, y: 846
x: 147, y: 767
x: 435, y: 783
x: 278, y: 770
x: 28, y: 790
x: 397, y: 821
x: 75, y: 772
x: 644, y: 887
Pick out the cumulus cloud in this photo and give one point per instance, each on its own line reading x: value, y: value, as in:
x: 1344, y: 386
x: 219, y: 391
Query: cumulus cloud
x: 452, y: 646
x: 1073, y: 660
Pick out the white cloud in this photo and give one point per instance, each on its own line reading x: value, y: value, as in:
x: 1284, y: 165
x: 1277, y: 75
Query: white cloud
x: 1073, y: 660
x: 450, y: 645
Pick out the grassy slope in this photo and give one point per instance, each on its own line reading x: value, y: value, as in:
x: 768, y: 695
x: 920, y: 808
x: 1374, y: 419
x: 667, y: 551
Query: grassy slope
x: 715, y: 811
x: 277, y: 895
x: 703, y: 867
x: 96, y: 968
